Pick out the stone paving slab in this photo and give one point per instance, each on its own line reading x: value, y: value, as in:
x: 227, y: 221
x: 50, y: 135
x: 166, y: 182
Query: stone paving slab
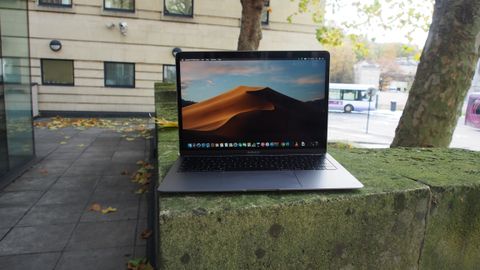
x: 45, y: 221
x: 19, y: 198
x: 11, y: 215
x: 112, y: 234
x: 31, y: 183
x: 52, y: 214
x: 36, y: 239
x: 39, y: 261
x: 104, y: 259
x: 54, y: 196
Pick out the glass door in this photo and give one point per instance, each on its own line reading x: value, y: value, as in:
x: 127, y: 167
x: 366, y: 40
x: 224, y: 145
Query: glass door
x: 16, y: 130
x: 3, y: 130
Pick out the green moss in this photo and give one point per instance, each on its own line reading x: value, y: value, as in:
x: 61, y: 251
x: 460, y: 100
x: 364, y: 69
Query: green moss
x: 360, y: 232
x: 434, y: 167
x: 453, y: 229
x: 166, y: 101
x: 168, y: 135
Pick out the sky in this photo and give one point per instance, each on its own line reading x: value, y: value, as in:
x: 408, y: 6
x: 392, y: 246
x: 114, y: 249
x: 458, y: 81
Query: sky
x: 348, y: 13
x: 302, y: 80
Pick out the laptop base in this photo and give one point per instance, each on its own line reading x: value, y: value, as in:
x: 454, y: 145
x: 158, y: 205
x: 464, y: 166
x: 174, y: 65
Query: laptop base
x: 247, y: 181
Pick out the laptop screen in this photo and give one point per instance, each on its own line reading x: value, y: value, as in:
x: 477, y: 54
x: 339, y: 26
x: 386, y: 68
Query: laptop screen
x: 260, y: 101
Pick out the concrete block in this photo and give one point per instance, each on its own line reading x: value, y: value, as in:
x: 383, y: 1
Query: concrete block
x: 409, y: 215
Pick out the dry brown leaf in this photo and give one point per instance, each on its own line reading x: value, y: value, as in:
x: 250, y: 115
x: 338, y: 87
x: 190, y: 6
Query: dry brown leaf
x: 146, y: 234
x: 95, y: 207
x: 43, y: 171
x: 148, y: 166
x: 109, y: 210
x: 139, y: 264
x: 140, y: 162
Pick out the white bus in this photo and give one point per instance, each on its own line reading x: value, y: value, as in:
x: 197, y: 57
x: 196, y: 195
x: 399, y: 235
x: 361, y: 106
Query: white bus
x: 351, y: 97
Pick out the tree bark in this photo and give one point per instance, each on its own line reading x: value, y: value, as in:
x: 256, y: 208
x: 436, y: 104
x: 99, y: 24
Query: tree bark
x: 251, y: 25
x: 443, y: 77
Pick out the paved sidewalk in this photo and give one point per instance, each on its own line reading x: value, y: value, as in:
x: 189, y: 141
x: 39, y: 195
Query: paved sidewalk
x: 45, y: 222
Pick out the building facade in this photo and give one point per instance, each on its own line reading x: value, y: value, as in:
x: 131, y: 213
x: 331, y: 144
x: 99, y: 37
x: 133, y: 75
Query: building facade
x: 366, y: 73
x: 106, y: 55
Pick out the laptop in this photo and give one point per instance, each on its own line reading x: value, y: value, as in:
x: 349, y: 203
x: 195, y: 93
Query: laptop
x: 254, y: 121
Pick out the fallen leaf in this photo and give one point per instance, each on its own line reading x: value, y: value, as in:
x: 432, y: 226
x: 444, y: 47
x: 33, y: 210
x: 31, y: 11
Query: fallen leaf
x: 67, y: 137
x: 139, y: 264
x: 109, y: 210
x: 130, y: 139
x: 149, y: 167
x: 164, y: 123
x: 43, y: 171
x: 81, y: 145
x: 95, y: 207
x: 141, y: 190
x: 63, y: 142
x: 124, y: 172
x: 140, y: 162
x: 146, y: 234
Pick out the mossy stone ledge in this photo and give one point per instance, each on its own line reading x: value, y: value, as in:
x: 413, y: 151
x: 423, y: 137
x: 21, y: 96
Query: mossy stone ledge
x: 419, y: 209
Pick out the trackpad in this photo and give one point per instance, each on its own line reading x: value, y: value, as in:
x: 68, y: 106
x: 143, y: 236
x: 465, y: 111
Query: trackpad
x: 239, y: 181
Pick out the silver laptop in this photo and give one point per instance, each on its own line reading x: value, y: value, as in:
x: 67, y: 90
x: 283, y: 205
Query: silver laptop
x: 254, y: 121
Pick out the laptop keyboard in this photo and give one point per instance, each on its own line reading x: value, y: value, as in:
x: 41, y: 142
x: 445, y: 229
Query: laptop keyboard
x: 255, y: 163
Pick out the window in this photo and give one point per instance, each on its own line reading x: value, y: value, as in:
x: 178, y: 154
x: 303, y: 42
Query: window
x: 169, y: 74
x: 266, y: 12
x: 57, y: 72
x: 178, y: 7
x: 119, y: 74
x: 59, y: 3
x: 119, y: 5
x: 349, y: 94
x: 334, y: 94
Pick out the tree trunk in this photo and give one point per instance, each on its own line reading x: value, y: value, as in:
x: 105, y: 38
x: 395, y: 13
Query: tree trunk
x: 443, y: 77
x: 251, y: 25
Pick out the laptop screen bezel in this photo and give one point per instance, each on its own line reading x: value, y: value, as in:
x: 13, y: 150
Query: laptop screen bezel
x: 253, y: 55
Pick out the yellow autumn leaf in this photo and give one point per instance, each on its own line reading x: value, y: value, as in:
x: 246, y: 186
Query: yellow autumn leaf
x: 63, y: 142
x: 130, y: 139
x: 109, y: 210
x: 141, y: 190
x: 162, y: 122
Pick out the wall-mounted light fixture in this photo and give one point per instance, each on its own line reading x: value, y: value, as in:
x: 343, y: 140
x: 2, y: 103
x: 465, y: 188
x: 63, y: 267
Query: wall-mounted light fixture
x: 123, y: 28
x: 55, y: 45
x: 175, y: 51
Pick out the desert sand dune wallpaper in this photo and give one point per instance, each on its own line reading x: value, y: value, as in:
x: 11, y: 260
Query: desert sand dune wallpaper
x: 251, y: 101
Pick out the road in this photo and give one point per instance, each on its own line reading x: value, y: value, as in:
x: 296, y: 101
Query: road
x: 351, y: 128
